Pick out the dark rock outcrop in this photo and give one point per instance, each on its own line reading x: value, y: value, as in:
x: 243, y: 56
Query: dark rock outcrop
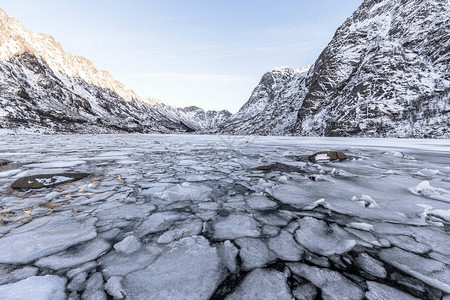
x: 4, y: 162
x: 327, y: 156
x: 46, y: 180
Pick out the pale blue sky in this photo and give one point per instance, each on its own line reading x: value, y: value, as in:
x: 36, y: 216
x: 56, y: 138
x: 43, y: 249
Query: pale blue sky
x: 188, y: 52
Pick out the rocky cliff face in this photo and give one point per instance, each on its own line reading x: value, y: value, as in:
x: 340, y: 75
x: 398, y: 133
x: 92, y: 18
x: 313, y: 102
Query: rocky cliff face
x: 273, y: 105
x: 44, y: 89
x: 386, y: 72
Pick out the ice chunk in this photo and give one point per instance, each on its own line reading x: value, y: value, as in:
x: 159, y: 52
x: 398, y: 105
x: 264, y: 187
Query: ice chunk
x: 9, y: 173
x: 270, y: 230
x: 44, y: 236
x: 228, y: 252
x: 430, y: 271
x: 371, y: 266
x: 76, y: 256
x: 283, y: 179
x: 94, y: 288
x: 425, y: 189
x: 262, y: 284
x: 366, y: 201
x: 56, y: 164
x: 236, y: 226
x: 192, y: 267
x: 35, y: 288
x: 87, y: 267
x: 435, y: 238
x: 306, y: 291
x: 360, y: 226
x: 316, y: 236
x: 320, y: 202
x: 290, y: 195
x: 187, y: 228
x: 285, y: 247
x: 118, y: 264
x: 159, y: 221
x: 318, y: 260
x: 379, y: 291
x: 443, y: 214
x: 78, y: 283
x: 51, y: 196
x: 407, y: 243
x: 114, y: 287
x: 278, y: 218
x: 253, y: 253
x: 260, y: 202
x: 8, y: 275
x: 413, y: 261
x: 341, y: 174
x: 397, y: 154
x: 126, y: 212
x: 185, y: 193
x: 128, y: 245
x: 333, y: 284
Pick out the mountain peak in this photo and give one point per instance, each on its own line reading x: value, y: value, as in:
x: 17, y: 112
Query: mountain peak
x: 15, y: 39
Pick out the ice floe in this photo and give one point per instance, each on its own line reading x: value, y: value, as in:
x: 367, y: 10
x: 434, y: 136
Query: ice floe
x: 262, y: 284
x: 192, y: 267
x: 35, y: 288
x: 316, y: 236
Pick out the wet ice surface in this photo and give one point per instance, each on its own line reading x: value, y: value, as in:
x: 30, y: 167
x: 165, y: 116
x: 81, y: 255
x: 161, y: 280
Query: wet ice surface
x: 170, y: 217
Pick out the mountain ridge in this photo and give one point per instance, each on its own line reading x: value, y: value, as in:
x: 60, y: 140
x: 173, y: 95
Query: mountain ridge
x: 385, y: 73
x: 48, y: 90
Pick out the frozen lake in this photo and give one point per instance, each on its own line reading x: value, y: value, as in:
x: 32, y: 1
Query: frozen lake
x: 213, y: 217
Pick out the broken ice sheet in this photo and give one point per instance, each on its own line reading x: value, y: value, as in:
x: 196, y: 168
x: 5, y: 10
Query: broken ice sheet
x: 73, y: 257
x: 333, y: 284
x: 262, y: 284
x: 236, y: 226
x: 192, y: 267
x: 35, y: 288
x: 316, y: 236
x: 113, y: 208
x: 185, y: 193
x: 44, y: 236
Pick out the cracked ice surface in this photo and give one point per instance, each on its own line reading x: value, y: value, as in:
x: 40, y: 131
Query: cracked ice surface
x: 193, y: 217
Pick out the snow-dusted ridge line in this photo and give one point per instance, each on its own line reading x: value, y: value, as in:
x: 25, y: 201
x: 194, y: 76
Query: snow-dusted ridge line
x: 45, y: 89
x: 385, y: 73
x: 15, y: 39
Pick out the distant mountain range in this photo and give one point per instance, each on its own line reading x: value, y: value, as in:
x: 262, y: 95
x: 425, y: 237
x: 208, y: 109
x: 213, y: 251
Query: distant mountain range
x: 45, y: 89
x: 385, y: 73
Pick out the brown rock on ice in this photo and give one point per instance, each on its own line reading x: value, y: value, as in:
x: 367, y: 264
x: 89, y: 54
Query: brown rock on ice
x: 327, y: 155
x: 46, y: 180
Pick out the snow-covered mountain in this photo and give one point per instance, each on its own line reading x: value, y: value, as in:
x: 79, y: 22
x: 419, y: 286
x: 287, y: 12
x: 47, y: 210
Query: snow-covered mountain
x: 195, y: 118
x: 45, y: 89
x: 273, y: 105
x: 386, y: 72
